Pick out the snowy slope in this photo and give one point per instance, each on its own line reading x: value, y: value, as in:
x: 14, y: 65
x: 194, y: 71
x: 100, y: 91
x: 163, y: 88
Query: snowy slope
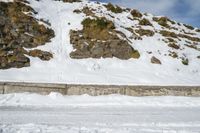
x: 63, y: 69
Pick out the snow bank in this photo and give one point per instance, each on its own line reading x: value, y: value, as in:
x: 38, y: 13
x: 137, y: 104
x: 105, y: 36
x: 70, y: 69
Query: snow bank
x: 58, y: 100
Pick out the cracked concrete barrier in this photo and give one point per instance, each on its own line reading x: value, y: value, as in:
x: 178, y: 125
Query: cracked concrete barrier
x: 94, y: 90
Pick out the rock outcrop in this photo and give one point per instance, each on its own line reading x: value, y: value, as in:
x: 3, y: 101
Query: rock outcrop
x: 19, y: 30
x: 99, y: 39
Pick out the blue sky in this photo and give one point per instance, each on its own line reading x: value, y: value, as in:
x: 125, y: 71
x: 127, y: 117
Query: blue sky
x: 186, y: 11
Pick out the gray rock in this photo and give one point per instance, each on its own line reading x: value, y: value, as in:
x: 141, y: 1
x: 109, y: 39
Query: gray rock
x: 97, y: 50
x: 155, y: 60
x: 114, y: 47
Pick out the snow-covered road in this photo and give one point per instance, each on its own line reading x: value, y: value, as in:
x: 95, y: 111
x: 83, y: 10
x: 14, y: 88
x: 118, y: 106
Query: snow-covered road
x: 104, y: 116
x: 100, y: 119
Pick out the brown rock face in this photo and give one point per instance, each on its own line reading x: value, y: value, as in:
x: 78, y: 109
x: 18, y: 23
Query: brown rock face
x: 98, y: 39
x: 19, y: 30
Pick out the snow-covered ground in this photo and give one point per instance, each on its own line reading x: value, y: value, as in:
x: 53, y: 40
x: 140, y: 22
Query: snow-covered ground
x: 55, y: 113
x: 63, y: 69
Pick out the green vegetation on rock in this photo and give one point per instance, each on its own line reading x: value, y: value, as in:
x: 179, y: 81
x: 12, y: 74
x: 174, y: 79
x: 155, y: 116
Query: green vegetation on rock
x: 98, y: 39
x: 100, y: 23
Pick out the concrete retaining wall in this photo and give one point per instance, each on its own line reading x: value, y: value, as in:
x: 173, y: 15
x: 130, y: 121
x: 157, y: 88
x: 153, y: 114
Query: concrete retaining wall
x: 1, y: 89
x: 95, y: 90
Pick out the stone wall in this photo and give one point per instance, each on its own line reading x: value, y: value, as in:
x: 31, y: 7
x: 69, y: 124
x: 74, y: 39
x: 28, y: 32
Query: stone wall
x: 95, y: 90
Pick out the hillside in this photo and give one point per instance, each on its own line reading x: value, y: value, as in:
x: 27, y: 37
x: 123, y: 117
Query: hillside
x: 84, y: 42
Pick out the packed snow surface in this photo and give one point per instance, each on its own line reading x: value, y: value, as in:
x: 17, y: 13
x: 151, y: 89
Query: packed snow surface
x: 58, y: 100
x: 55, y: 113
x: 63, y: 69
